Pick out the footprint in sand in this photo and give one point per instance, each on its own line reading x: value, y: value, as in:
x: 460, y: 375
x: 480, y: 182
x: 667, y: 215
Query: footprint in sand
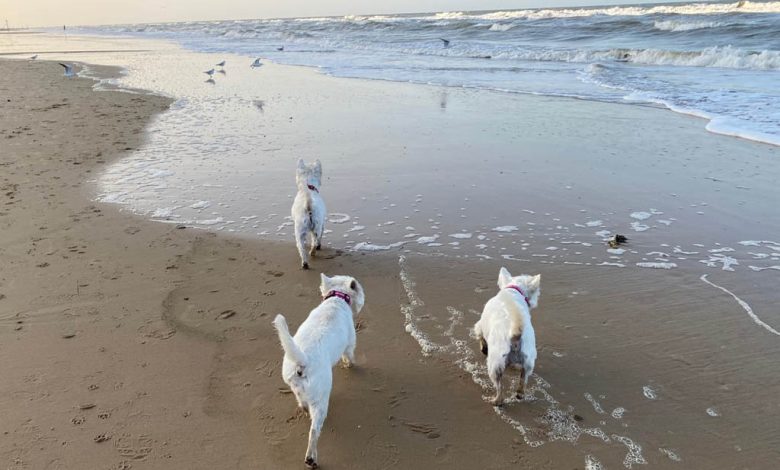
x: 428, y: 430
x: 134, y: 447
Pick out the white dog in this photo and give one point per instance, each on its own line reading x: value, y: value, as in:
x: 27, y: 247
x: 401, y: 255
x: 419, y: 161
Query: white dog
x: 308, y: 210
x: 327, y: 335
x: 505, y: 332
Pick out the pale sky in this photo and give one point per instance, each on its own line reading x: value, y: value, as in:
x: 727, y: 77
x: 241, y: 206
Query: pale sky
x: 83, y: 12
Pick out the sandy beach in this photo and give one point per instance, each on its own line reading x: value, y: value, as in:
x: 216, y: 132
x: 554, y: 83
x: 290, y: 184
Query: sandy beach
x: 129, y: 343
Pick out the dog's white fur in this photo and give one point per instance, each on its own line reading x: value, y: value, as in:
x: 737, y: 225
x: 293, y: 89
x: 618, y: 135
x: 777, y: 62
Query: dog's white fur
x: 505, y: 325
x: 327, y: 335
x: 308, y: 210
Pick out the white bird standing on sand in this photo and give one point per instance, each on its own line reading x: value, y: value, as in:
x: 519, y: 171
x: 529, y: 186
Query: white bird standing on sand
x: 210, y: 72
x: 68, y: 70
x: 34, y: 57
x: 256, y: 63
x: 221, y: 64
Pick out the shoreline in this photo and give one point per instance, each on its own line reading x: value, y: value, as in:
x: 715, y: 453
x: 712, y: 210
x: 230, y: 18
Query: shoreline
x: 169, y: 319
x: 710, y: 126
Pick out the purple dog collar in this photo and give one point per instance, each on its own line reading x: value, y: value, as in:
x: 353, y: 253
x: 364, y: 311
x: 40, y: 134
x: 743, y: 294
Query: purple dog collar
x: 518, y: 289
x: 334, y: 293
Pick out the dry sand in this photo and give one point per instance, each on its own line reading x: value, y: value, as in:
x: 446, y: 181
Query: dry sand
x: 130, y: 344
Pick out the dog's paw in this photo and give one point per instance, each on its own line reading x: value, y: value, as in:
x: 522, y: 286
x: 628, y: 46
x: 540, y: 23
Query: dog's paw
x: 319, y: 245
x: 305, y: 266
x: 310, y: 463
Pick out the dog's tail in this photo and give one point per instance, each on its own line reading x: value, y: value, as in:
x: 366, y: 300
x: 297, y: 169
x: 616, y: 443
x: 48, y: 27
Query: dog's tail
x: 291, y: 350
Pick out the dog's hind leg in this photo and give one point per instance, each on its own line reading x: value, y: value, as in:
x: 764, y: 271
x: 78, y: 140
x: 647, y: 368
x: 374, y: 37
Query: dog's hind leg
x: 313, y: 243
x: 348, y: 358
x: 523, y: 382
x: 482, y: 343
x: 320, y: 229
x: 525, y: 374
x: 300, y: 242
x: 495, y: 377
x: 318, y: 414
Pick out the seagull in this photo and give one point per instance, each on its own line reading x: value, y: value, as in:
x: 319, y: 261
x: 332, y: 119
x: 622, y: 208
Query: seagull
x: 209, y: 72
x: 34, y: 57
x: 256, y: 63
x: 221, y: 64
x: 68, y: 70
x: 280, y: 48
x: 446, y: 42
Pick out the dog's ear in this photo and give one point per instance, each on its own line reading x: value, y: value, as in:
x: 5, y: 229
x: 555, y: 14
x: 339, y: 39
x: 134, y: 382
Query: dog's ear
x: 324, y: 284
x: 318, y: 166
x: 534, y: 290
x: 504, y: 278
x: 301, y: 164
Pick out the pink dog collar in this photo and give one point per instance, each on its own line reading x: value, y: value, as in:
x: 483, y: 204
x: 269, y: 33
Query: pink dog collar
x: 518, y: 289
x: 313, y: 188
x: 341, y: 295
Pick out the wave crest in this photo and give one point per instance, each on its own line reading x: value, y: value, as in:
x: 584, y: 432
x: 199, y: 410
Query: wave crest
x: 676, y: 26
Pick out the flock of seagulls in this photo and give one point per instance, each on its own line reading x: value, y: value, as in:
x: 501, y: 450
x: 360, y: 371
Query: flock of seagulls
x: 210, y: 72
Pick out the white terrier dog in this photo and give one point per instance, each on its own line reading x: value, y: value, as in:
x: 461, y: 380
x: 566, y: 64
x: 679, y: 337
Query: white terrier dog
x: 326, y: 336
x: 505, y: 332
x: 308, y: 210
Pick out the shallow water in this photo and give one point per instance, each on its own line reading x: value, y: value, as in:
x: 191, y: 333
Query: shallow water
x: 720, y: 61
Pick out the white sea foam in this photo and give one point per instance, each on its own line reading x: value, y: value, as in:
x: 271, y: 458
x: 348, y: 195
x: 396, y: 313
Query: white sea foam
x: 634, y: 455
x: 409, y: 311
x: 596, y: 405
x: 163, y: 213
x: 592, y: 463
x: 461, y: 235
x: 764, y: 268
x: 744, y: 305
x: 671, y: 454
x: 639, y: 227
x: 427, y: 240
x: 726, y: 261
x: 617, y: 265
x: 656, y: 265
x: 618, y: 412
x: 338, y: 218
x: 200, y: 205
x: 641, y: 215
x: 365, y: 246
x: 356, y: 228
x: 501, y: 26
x: 676, y: 25
x: 506, y: 228
x: 713, y: 412
x: 649, y: 393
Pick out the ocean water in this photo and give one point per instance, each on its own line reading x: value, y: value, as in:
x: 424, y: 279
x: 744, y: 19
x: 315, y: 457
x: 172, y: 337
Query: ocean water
x: 719, y: 61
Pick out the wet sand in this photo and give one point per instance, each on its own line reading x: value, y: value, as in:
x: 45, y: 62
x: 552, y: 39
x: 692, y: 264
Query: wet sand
x: 159, y: 340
